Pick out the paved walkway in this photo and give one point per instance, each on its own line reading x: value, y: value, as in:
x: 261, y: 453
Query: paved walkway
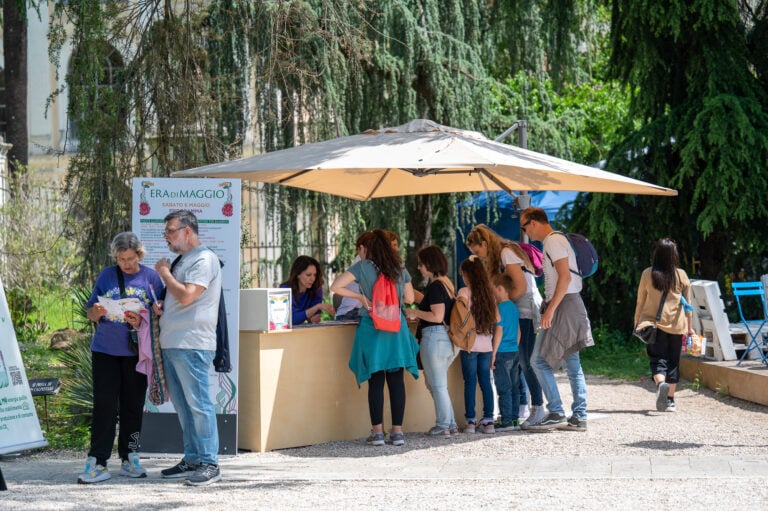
x: 711, y: 454
x: 254, y: 481
x: 252, y: 467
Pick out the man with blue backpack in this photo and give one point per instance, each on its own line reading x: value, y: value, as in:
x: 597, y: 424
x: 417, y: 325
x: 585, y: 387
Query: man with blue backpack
x: 565, y: 327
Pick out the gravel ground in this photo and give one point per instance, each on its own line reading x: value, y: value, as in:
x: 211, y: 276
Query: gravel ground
x: 624, y: 429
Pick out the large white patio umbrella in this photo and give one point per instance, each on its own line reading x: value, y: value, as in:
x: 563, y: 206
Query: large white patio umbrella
x: 420, y: 157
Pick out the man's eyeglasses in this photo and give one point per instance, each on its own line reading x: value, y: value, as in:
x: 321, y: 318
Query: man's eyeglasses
x: 525, y: 225
x: 169, y: 232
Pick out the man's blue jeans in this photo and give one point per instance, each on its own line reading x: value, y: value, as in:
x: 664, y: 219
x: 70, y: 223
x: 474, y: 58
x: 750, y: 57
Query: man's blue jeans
x: 186, y: 373
x: 546, y: 377
x: 437, y: 355
x: 527, y: 342
x: 506, y: 375
x: 476, y: 367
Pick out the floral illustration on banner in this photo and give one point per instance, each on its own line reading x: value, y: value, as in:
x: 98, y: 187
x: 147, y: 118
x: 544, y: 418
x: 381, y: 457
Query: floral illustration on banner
x: 143, y: 204
x: 227, y: 209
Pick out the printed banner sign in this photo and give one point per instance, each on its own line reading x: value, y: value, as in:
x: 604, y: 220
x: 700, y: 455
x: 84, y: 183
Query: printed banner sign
x: 216, y: 203
x: 19, y: 426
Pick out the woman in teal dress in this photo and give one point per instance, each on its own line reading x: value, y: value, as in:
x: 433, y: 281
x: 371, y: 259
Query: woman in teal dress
x: 380, y: 357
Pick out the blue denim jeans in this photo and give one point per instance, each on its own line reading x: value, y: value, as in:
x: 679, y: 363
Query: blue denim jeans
x: 527, y: 342
x: 476, y: 368
x: 437, y: 354
x: 186, y: 373
x: 546, y: 378
x: 523, y: 386
x: 506, y: 375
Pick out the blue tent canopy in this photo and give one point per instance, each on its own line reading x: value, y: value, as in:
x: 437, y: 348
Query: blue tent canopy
x: 507, y: 224
x: 551, y: 202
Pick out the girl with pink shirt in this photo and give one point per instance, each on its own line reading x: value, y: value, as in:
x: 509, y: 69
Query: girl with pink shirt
x: 476, y: 363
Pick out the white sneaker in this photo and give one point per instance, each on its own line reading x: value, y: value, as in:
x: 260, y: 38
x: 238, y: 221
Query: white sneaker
x: 93, y: 473
x: 536, y: 416
x: 523, y: 413
x: 132, y: 468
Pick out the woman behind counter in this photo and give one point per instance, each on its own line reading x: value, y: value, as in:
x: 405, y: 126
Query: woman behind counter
x: 379, y: 356
x: 664, y: 277
x: 306, y: 283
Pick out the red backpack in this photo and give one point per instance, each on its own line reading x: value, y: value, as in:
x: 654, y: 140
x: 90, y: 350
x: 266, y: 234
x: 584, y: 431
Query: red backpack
x: 385, y: 305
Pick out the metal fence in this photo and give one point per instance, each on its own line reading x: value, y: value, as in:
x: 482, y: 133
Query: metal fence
x: 265, y: 261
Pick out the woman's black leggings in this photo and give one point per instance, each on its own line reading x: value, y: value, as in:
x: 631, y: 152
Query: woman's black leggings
x: 118, y: 397
x: 664, y: 355
x: 396, y: 386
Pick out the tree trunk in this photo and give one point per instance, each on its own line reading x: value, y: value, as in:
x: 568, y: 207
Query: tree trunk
x: 713, y: 255
x: 420, y: 231
x: 15, y: 44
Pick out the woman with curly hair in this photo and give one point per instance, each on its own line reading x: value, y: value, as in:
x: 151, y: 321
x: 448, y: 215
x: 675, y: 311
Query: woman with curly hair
x: 502, y: 256
x: 476, y: 363
x: 379, y: 356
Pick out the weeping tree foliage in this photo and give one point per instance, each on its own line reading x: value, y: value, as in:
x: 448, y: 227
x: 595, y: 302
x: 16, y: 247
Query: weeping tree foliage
x: 549, y: 59
x: 139, y: 102
x: 160, y: 85
x: 323, y: 69
x: 553, y: 39
x: 697, y: 72
x: 94, y: 179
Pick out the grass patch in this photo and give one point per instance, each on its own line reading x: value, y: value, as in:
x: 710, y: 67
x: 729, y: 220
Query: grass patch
x: 56, y: 310
x: 67, y: 425
x: 615, y: 355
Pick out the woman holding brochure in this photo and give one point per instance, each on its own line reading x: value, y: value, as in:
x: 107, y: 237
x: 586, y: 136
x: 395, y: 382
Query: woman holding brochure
x: 118, y: 389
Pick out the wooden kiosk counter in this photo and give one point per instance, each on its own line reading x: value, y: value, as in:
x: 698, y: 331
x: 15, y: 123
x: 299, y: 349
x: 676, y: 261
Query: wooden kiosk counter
x: 296, y: 389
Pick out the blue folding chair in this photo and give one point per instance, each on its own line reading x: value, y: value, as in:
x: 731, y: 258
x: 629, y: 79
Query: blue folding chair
x: 754, y: 326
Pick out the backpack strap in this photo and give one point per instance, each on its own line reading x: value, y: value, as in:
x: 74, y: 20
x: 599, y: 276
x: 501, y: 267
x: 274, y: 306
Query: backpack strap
x: 452, y: 296
x: 370, y: 285
x: 176, y: 261
x: 552, y: 263
x: 120, y: 281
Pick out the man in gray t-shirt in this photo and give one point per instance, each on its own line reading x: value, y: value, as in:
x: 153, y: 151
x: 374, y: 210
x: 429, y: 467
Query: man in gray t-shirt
x: 188, y: 341
x: 565, y: 327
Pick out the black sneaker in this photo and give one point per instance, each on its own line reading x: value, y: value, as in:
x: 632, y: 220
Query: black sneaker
x: 205, y: 474
x: 670, y: 405
x: 182, y: 469
x: 574, y: 424
x: 551, y: 421
x: 513, y: 425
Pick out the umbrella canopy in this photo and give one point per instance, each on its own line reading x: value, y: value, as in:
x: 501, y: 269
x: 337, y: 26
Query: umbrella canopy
x: 420, y: 157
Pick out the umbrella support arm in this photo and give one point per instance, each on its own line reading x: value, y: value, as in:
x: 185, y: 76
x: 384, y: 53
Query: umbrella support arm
x: 523, y: 200
x: 522, y: 133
